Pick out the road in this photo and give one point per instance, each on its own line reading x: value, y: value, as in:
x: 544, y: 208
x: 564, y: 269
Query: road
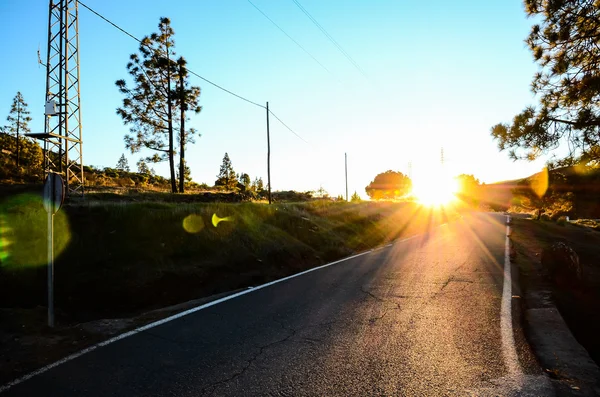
x: 421, y: 317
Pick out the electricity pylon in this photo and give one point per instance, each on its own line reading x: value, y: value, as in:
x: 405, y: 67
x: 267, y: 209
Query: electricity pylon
x: 62, y: 128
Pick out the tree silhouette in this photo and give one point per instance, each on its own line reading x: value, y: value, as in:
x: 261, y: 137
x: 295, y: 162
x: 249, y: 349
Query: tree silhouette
x: 148, y: 108
x: 187, y: 98
x: 389, y: 185
x: 355, y: 198
x: 227, y: 177
x: 565, y: 45
x: 122, y: 164
x: 142, y: 167
x: 258, y: 185
x: 245, y: 180
x: 187, y: 175
x: 18, y: 119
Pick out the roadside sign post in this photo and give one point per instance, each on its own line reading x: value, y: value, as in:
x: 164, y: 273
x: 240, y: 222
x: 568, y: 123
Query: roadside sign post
x: 54, y: 194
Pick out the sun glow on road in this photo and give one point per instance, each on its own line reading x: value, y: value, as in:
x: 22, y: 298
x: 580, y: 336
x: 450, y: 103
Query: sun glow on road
x: 435, y: 190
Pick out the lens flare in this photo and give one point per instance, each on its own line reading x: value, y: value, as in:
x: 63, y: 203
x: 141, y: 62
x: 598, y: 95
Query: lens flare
x: 539, y: 182
x: 193, y: 223
x: 24, y: 228
x: 216, y: 220
x: 5, y: 240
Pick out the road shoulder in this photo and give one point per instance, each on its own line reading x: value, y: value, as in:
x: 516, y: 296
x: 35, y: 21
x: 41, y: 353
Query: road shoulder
x: 567, y: 363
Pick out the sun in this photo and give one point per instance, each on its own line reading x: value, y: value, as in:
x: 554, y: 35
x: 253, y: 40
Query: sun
x: 435, y: 190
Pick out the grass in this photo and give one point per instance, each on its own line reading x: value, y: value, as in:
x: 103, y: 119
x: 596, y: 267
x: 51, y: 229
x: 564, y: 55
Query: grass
x: 119, y: 259
x: 579, y: 304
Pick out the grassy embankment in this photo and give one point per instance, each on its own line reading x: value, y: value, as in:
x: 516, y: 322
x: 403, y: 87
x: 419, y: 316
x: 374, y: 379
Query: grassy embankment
x: 578, y: 304
x: 117, y: 260
x: 121, y: 259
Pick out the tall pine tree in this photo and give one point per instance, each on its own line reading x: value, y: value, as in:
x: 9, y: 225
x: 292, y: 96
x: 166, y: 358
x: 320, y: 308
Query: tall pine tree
x: 187, y: 98
x: 148, y: 107
x: 123, y: 164
x: 227, y: 177
x: 564, y: 43
x: 19, y: 119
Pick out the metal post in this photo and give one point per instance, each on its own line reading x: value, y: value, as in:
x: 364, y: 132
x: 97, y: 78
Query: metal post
x: 50, y: 269
x: 268, y: 155
x: 346, y: 167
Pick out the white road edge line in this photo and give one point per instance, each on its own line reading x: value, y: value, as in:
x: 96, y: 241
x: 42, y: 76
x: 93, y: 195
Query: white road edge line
x: 179, y: 315
x: 509, y: 351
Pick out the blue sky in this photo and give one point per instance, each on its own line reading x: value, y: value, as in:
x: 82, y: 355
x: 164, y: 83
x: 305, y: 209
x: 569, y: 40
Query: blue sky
x: 439, y: 74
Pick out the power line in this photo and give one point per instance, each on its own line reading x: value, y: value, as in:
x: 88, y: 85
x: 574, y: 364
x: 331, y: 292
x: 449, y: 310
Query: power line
x: 290, y: 37
x: 197, y: 75
x: 190, y: 71
x: 331, y: 39
x: 291, y: 130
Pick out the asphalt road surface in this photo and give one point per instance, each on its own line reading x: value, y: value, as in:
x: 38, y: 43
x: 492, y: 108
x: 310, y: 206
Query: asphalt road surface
x: 419, y: 318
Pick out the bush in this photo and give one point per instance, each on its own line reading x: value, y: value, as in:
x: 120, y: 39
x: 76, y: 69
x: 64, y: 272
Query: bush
x: 562, y: 220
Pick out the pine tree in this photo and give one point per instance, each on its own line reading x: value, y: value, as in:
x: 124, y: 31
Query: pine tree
x: 227, y: 177
x: 564, y: 43
x: 355, y: 197
x: 187, y: 99
x: 187, y: 175
x: 258, y: 185
x: 19, y: 119
x: 148, y: 107
x: 142, y: 167
x: 245, y: 180
x: 122, y: 164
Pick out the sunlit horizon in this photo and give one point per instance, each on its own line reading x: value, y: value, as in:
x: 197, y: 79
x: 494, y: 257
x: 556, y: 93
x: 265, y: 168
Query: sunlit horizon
x: 403, y: 109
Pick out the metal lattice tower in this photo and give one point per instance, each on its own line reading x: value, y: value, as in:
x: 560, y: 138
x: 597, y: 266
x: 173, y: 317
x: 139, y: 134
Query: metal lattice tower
x: 62, y: 129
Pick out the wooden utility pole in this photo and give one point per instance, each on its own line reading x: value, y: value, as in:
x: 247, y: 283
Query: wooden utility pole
x: 268, y: 155
x: 346, y: 168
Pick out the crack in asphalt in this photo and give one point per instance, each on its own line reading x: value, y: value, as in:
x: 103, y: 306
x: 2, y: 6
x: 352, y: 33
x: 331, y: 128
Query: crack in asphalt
x: 261, y: 350
x: 386, y: 310
x: 210, y: 389
x: 378, y: 298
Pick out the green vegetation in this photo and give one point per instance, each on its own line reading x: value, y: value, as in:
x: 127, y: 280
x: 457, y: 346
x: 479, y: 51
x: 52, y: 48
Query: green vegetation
x: 156, y: 104
x: 565, y: 45
x: 227, y: 177
x: 31, y: 158
x: 18, y: 119
x: 125, y: 258
x: 389, y: 185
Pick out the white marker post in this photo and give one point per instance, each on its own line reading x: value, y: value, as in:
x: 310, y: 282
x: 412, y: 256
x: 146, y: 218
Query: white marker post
x: 54, y: 194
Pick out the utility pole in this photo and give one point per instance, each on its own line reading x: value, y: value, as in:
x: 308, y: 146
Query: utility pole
x: 346, y: 167
x: 268, y: 155
x: 410, y: 169
x: 442, y: 156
